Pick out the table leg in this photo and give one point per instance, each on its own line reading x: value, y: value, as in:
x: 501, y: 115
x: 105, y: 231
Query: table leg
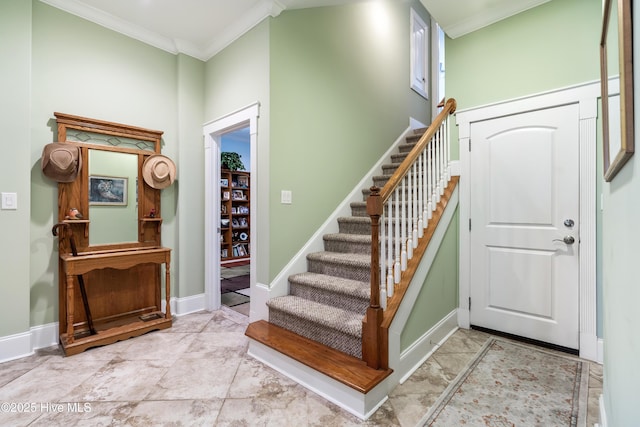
x: 70, y: 309
x: 168, y: 289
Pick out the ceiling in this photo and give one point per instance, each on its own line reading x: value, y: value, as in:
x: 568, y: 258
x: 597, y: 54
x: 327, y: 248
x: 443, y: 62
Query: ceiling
x: 202, y: 28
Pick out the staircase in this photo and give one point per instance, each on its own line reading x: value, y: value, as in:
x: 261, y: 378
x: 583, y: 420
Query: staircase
x: 328, y: 302
x: 330, y: 332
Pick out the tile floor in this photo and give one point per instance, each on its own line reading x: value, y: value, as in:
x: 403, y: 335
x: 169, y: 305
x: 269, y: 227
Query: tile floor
x: 197, y: 373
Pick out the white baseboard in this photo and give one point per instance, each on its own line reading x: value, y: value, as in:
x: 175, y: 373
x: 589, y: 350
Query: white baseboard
x: 44, y: 336
x: 603, y: 414
x: 25, y: 344
x: 187, y: 305
x: 15, y: 346
x: 414, y: 356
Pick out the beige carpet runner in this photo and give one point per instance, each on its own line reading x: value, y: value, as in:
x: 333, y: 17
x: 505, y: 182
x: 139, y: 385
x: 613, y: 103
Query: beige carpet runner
x: 513, y: 384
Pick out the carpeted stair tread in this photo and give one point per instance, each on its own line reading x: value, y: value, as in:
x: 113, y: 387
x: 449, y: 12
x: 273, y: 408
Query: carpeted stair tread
x: 345, y: 237
x: 336, y: 285
x: 352, y: 266
x: 345, y: 259
x: 344, y: 321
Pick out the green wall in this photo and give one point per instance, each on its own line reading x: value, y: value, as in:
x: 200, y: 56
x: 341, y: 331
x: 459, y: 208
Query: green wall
x: 189, y: 186
x: 237, y: 77
x: 84, y: 69
x: 439, y: 294
x: 548, y: 47
x: 339, y: 97
x: 16, y: 170
x: 621, y: 286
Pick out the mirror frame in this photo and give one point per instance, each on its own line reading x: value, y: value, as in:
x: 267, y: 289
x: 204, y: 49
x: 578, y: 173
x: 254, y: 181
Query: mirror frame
x: 613, y: 162
x: 76, y: 193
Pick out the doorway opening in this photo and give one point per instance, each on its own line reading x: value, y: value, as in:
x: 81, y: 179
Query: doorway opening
x: 230, y: 271
x: 235, y: 220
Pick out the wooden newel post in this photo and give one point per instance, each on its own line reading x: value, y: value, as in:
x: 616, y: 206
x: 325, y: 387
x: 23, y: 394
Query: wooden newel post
x: 371, y: 331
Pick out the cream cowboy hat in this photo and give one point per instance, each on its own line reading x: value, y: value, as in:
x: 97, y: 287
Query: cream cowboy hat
x: 158, y: 171
x: 61, y: 162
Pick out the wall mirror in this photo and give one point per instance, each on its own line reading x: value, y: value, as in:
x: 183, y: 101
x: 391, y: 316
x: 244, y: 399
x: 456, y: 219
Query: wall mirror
x: 119, y: 209
x: 113, y: 205
x: 616, y: 58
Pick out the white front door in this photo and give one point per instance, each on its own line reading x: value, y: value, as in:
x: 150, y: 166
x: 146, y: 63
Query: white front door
x: 524, y: 238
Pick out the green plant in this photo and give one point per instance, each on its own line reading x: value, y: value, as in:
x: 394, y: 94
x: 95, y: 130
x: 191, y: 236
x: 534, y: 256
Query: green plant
x: 231, y: 161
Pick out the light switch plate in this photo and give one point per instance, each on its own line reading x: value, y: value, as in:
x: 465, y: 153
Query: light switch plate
x: 285, y: 197
x: 10, y: 201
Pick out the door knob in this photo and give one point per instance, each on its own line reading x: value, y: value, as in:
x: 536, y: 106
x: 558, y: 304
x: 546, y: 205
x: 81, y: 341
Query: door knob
x: 569, y: 240
x: 569, y: 223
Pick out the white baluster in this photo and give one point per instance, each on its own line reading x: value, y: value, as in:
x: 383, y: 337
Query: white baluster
x: 414, y: 206
x: 443, y: 162
x: 436, y: 176
x: 403, y: 227
x: 397, y: 265
x: 389, y: 262
x: 421, y: 203
x: 430, y: 178
x: 448, y: 149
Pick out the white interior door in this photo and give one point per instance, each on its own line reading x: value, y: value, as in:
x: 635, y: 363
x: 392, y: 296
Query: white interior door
x: 524, y: 238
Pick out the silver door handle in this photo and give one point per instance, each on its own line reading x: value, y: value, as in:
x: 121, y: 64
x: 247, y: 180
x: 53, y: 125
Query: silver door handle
x: 569, y: 240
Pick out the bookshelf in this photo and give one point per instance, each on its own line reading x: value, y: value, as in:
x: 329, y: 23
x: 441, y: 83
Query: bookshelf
x: 235, y: 220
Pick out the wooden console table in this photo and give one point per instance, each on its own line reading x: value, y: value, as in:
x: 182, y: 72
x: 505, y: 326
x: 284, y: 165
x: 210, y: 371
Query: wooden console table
x: 127, y: 305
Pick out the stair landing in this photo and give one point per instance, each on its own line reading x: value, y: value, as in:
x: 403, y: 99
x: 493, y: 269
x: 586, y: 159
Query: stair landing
x: 335, y: 364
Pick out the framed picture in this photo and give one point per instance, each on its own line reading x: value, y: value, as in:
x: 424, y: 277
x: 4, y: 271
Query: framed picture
x: 108, y: 190
x: 243, y: 181
x: 238, y: 195
x: 224, y: 182
x: 617, y: 110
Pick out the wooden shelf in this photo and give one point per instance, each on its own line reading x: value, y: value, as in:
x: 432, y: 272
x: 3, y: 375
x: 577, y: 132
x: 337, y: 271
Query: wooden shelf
x: 149, y: 219
x: 114, y: 331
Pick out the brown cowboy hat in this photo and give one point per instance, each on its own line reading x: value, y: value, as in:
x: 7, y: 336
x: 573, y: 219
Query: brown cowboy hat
x: 158, y: 171
x: 61, y: 162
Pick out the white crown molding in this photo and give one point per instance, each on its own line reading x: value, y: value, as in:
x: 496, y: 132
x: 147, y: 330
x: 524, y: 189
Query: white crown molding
x: 114, y: 23
x: 238, y: 28
x: 227, y: 35
x: 490, y: 15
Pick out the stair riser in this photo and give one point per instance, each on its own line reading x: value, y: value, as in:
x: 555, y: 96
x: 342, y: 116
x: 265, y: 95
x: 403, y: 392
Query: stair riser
x: 345, y: 302
x: 406, y: 148
x: 360, y: 210
x: 354, y: 227
x: 362, y: 274
x: 380, y: 181
x: 347, y: 247
x: 327, y: 336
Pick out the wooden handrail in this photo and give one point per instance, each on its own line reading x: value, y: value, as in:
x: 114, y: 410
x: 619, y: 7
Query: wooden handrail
x: 374, y: 339
x: 405, y: 166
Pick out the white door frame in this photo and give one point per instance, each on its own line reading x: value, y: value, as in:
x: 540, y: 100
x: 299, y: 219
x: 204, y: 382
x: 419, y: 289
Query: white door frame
x: 213, y: 131
x: 586, y: 96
